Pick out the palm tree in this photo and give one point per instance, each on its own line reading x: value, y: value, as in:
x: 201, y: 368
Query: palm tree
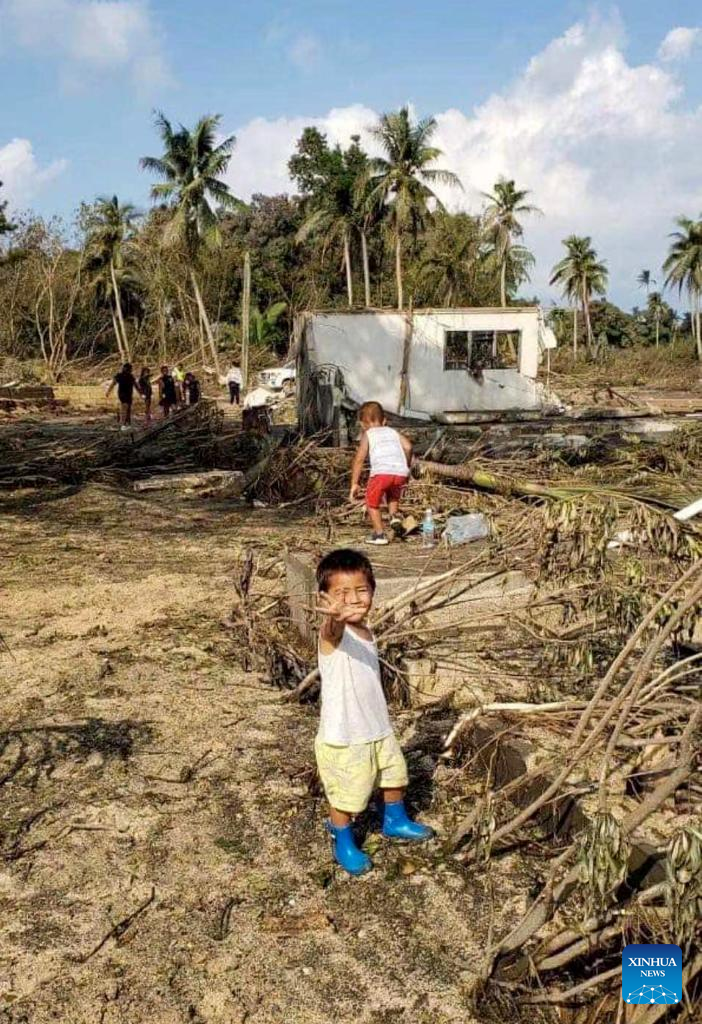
x: 656, y: 307
x: 505, y: 204
x: 111, y: 224
x: 452, y: 253
x: 367, y: 207
x: 580, y: 275
x: 335, y: 219
x: 683, y: 269
x: 645, y: 280
x: 192, y: 166
x: 401, y: 178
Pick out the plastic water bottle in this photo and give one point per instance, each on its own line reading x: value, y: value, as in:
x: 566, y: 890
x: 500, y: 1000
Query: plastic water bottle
x: 428, y: 530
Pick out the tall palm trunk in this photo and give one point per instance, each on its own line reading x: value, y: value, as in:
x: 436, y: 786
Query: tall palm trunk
x: 347, y: 264
x: 586, y: 314
x: 366, y: 271
x: 205, y: 320
x: 398, y: 270
x: 118, y: 307
x: 575, y: 331
x: 118, y: 338
x: 697, y: 319
x: 658, y: 327
x: 503, y: 281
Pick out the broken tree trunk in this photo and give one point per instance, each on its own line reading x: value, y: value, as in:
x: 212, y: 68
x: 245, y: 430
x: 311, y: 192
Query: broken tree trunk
x: 508, y: 486
x: 192, y: 481
x: 404, y: 374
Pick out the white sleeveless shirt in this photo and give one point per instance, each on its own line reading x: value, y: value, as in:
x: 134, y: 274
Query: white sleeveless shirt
x: 353, y: 704
x: 387, y: 456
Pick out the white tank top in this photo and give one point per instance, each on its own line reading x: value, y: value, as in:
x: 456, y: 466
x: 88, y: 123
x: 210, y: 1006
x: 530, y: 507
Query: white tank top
x: 387, y: 456
x: 353, y: 704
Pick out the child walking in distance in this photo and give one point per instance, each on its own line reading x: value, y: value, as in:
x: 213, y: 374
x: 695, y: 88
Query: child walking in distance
x: 356, y: 748
x: 191, y: 389
x: 146, y: 388
x: 167, y: 394
x: 390, y: 454
x: 125, y: 382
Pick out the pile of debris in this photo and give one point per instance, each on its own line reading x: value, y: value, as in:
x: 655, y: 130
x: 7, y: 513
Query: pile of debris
x: 43, y: 454
x: 569, y: 712
x: 23, y: 398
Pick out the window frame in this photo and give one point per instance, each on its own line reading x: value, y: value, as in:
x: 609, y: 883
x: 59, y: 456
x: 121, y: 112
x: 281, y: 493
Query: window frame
x: 465, y: 366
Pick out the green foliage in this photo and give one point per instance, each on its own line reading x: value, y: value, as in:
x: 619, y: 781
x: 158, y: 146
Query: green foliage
x: 192, y: 167
x: 122, y: 282
x: 512, y: 262
x: 400, y: 181
x: 620, y: 329
x: 5, y: 226
x: 331, y: 183
x: 266, y: 328
x: 683, y: 268
x: 580, y: 275
x: 455, y: 267
x: 110, y: 230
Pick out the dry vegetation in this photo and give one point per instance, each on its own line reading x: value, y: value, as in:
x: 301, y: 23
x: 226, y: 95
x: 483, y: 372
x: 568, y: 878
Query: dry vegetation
x: 163, y: 851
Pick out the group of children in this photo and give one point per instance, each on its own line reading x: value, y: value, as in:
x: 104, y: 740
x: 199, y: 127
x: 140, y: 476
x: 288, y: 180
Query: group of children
x: 176, y: 390
x: 356, y: 748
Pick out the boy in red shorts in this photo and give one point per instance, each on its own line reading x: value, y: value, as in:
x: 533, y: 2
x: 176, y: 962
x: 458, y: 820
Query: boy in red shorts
x: 390, y: 454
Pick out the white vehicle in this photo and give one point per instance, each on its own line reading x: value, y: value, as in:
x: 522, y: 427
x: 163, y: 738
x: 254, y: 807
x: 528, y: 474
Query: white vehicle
x: 279, y: 378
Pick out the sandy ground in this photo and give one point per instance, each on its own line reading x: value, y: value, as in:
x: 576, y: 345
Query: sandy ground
x: 143, y: 773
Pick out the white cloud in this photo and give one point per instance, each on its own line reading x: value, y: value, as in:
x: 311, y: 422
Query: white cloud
x: 679, y: 43
x: 90, y: 37
x: 304, y: 51
x: 264, y: 147
x: 20, y: 173
x: 606, y: 147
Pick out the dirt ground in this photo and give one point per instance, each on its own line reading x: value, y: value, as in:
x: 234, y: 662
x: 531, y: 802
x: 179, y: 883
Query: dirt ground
x: 164, y: 857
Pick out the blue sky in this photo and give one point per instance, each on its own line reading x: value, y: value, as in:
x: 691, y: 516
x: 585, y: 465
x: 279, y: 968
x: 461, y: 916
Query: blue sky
x: 596, y: 109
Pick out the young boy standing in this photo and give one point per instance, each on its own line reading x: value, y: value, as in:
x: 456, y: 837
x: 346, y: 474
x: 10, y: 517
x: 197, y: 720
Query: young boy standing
x: 356, y: 748
x: 390, y: 454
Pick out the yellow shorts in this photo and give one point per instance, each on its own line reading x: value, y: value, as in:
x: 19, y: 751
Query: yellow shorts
x: 350, y: 774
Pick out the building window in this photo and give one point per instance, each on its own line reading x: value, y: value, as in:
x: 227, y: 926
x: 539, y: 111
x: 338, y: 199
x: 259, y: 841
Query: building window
x: 456, y: 350
x: 476, y: 351
x: 507, y: 349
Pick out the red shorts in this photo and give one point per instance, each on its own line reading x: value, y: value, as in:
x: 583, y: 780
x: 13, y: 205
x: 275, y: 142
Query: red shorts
x: 384, y: 486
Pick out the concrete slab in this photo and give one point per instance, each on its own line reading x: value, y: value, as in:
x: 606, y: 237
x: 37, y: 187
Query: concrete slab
x: 476, y: 596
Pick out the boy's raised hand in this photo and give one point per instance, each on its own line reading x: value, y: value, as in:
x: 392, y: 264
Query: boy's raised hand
x: 336, y: 609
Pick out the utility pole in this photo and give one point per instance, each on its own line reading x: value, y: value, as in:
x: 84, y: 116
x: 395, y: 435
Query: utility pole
x: 245, y: 322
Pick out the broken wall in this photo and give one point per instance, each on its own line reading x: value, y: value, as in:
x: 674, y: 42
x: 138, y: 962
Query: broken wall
x: 368, y: 348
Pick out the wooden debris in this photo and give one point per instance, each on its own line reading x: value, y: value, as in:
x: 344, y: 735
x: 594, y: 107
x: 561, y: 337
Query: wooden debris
x: 230, y: 478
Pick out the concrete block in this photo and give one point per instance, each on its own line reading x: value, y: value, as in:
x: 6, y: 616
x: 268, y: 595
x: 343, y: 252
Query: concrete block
x: 475, y: 598
x: 302, y: 591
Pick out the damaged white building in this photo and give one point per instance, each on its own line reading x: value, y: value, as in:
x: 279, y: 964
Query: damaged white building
x: 428, y: 363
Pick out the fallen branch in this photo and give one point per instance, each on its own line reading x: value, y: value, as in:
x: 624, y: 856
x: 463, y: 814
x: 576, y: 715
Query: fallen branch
x: 118, y: 930
x: 550, y: 898
x: 567, y: 995
x: 515, y: 708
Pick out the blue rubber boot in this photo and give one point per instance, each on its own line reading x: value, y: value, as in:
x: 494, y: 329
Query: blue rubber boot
x: 396, y: 824
x: 346, y: 853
